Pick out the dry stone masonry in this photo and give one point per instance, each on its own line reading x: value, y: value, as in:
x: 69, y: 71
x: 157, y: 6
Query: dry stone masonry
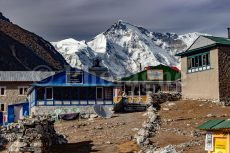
x: 31, y: 135
x: 152, y: 123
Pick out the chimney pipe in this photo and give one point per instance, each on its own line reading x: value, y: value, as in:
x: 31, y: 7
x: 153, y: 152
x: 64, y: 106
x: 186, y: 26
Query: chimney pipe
x: 228, y: 33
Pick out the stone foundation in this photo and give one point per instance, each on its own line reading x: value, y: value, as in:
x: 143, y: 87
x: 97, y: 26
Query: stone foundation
x: 54, y: 110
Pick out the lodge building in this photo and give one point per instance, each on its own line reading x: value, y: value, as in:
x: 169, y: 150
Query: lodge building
x: 75, y: 88
x: 154, y: 79
x: 205, y: 67
x: 14, y: 85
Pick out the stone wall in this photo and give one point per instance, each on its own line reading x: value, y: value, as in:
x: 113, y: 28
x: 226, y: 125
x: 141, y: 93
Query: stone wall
x: 12, y: 93
x: 224, y: 74
x: 161, y: 97
x: 31, y: 135
x: 52, y: 110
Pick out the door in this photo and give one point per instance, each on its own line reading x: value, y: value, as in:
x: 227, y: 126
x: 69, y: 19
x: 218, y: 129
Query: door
x: 10, y: 113
x: 18, y: 113
x: 1, y: 118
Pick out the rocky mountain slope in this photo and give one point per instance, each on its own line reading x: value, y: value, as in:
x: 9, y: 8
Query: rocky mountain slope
x: 124, y: 46
x: 22, y: 50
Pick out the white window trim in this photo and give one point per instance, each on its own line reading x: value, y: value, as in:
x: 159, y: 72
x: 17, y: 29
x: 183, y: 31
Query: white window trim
x: 24, y: 94
x: 4, y: 90
x: 52, y: 93
x: 102, y: 94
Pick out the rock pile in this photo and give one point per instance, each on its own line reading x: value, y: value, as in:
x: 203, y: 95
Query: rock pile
x: 161, y: 97
x: 148, y: 129
x: 32, y: 135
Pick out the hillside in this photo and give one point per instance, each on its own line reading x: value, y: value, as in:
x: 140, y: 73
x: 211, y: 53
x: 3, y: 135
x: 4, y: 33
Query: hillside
x: 24, y: 51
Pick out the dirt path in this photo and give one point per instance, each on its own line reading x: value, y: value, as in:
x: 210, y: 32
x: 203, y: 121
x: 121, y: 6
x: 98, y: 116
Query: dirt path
x: 100, y: 135
x: 179, y: 121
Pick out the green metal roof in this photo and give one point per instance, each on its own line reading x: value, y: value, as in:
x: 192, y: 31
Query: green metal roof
x: 169, y: 74
x: 217, y: 40
x: 215, y: 125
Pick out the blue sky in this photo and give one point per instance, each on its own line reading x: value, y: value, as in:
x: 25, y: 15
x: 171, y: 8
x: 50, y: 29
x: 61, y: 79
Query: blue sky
x: 83, y: 19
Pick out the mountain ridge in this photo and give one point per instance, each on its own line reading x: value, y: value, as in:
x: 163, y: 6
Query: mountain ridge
x: 123, y: 46
x: 26, y: 51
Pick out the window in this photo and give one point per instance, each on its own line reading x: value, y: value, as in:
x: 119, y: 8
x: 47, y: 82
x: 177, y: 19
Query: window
x: 40, y: 93
x: 49, y: 93
x: 83, y: 93
x: 91, y: 93
x: 22, y: 90
x: 2, y: 107
x: 2, y: 91
x: 199, y: 62
x: 57, y: 91
x: 128, y: 90
x: 143, y: 89
x: 108, y: 93
x: 99, y: 93
x: 136, y: 90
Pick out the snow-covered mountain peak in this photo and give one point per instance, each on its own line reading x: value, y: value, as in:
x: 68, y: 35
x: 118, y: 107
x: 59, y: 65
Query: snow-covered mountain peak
x: 123, y: 47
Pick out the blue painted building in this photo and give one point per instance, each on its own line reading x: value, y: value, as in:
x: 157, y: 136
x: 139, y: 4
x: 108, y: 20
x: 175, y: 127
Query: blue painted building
x: 75, y: 88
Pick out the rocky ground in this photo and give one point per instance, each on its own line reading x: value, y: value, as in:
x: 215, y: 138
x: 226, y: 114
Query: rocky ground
x: 177, y: 130
x: 112, y: 135
x: 179, y: 121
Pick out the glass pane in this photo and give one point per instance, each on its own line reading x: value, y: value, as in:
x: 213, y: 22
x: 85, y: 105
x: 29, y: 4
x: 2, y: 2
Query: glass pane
x: 25, y: 90
x: 74, y: 93
x: 207, y: 59
x: 108, y: 93
x: 196, y: 61
x: 91, y: 93
x: 128, y: 90
x: 83, y: 93
x: 189, y: 63
x: 20, y: 91
x: 136, y: 90
x: 66, y: 93
x: 99, y: 93
x: 204, y: 60
x: 49, y: 93
x: 200, y: 60
x: 193, y: 62
x: 40, y: 93
x: 57, y: 93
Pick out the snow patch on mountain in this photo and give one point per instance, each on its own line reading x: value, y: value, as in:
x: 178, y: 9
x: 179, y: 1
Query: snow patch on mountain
x: 76, y: 53
x: 123, y: 47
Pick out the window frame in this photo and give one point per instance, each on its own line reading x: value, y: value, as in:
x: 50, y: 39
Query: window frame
x: 3, y: 87
x: 23, y: 90
x: 195, y: 65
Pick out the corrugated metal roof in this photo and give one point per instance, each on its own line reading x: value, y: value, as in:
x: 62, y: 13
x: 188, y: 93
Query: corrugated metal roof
x: 215, y: 125
x: 217, y: 40
x: 142, y: 76
x: 209, y: 124
x: 220, y: 40
x: 223, y: 125
x: 60, y: 80
x: 21, y: 76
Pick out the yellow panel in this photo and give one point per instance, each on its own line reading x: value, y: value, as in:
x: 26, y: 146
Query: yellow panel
x: 220, y: 145
x: 135, y: 99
